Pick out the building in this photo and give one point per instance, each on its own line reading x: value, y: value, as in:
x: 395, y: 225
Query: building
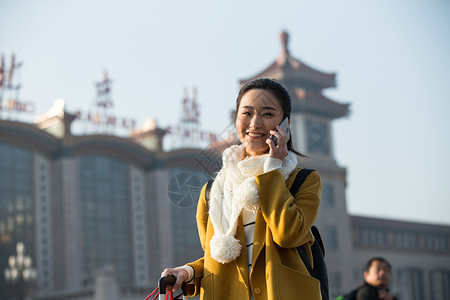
x: 419, y: 253
x: 95, y: 205
x: 102, y: 215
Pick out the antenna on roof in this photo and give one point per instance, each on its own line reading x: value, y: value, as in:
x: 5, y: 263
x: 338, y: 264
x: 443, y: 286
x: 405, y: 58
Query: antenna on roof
x: 10, y: 88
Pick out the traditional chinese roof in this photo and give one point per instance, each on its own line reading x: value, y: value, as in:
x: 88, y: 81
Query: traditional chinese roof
x: 304, y: 84
x: 288, y: 68
x: 316, y: 103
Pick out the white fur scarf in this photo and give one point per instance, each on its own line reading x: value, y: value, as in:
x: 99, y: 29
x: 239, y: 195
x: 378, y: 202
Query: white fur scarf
x: 233, y: 189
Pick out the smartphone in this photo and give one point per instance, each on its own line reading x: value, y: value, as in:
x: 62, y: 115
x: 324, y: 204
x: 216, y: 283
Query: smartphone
x: 284, y: 126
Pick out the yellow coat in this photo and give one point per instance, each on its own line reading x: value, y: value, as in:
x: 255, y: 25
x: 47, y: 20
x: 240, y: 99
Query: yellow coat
x: 283, y: 222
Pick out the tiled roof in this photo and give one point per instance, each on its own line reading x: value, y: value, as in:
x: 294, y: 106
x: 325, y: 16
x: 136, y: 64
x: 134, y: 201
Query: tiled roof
x: 288, y: 68
x: 317, y: 103
x: 304, y: 84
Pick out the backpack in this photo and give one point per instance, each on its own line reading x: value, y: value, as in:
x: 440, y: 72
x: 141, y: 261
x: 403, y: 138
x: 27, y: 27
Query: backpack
x: 319, y: 271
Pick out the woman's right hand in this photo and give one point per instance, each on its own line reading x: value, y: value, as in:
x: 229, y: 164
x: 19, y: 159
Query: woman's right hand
x: 281, y: 150
x: 180, y: 273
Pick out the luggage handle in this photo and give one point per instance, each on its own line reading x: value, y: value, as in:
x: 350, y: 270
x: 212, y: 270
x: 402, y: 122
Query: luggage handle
x: 163, y: 283
x: 170, y: 280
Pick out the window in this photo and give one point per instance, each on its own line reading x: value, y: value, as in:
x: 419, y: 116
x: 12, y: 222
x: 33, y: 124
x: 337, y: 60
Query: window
x: 16, y: 198
x: 317, y: 137
x: 105, y: 216
x: 327, y: 194
x: 440, y: 284
x: 331, y: 238
x: 411, y: 280
x: 186, y: 245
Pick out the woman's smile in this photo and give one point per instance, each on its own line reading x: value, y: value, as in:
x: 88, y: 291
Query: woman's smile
x: 258, y: 113
x: 256, y: 135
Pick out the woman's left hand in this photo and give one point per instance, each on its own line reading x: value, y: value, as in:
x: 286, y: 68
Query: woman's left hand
x: 279, y: 151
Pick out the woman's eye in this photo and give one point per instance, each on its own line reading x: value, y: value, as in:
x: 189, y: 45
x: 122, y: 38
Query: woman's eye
x: 268, y: 114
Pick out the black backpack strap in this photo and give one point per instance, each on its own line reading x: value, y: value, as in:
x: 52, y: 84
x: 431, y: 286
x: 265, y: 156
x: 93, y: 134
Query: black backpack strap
x: 302, y: 252
x: 318, y: 239
x: 299, y: 179
x: 318, y: 250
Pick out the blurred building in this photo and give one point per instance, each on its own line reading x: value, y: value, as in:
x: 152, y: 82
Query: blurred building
x: 102, y: 215
x: 95, y: 206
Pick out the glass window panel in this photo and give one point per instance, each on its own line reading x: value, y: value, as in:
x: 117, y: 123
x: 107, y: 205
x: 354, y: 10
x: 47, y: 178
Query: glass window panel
x: 328, y: 194
x: 105, y: 198
x: 16, y: 206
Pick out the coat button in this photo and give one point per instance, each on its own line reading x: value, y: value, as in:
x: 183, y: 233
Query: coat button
x: 257, y: 291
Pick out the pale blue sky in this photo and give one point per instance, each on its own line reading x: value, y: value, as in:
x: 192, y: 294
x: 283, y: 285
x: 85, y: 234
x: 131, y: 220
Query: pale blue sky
x: 391, y: 59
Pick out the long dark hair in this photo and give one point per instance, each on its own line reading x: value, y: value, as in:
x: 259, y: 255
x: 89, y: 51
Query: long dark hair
x: 279, y: 91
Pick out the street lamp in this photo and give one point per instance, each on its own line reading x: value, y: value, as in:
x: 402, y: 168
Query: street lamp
x: 20, y: 273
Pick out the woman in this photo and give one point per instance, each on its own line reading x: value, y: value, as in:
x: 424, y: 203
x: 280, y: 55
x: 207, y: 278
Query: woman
x: 252, y: 225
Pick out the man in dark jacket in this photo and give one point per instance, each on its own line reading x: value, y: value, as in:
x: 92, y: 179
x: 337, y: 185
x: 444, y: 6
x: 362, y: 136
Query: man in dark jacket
x: 377, y: 275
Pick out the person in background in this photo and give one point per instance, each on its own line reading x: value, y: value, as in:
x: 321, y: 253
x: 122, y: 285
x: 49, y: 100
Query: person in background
x: 251, y: 225
x: 377, y: 276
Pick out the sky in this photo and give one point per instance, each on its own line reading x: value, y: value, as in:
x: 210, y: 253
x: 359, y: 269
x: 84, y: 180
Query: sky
x: 390, y: 57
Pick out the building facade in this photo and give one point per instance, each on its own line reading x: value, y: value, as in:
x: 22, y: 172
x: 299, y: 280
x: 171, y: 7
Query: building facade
x: 102, y: 215
x: 95, y: 206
